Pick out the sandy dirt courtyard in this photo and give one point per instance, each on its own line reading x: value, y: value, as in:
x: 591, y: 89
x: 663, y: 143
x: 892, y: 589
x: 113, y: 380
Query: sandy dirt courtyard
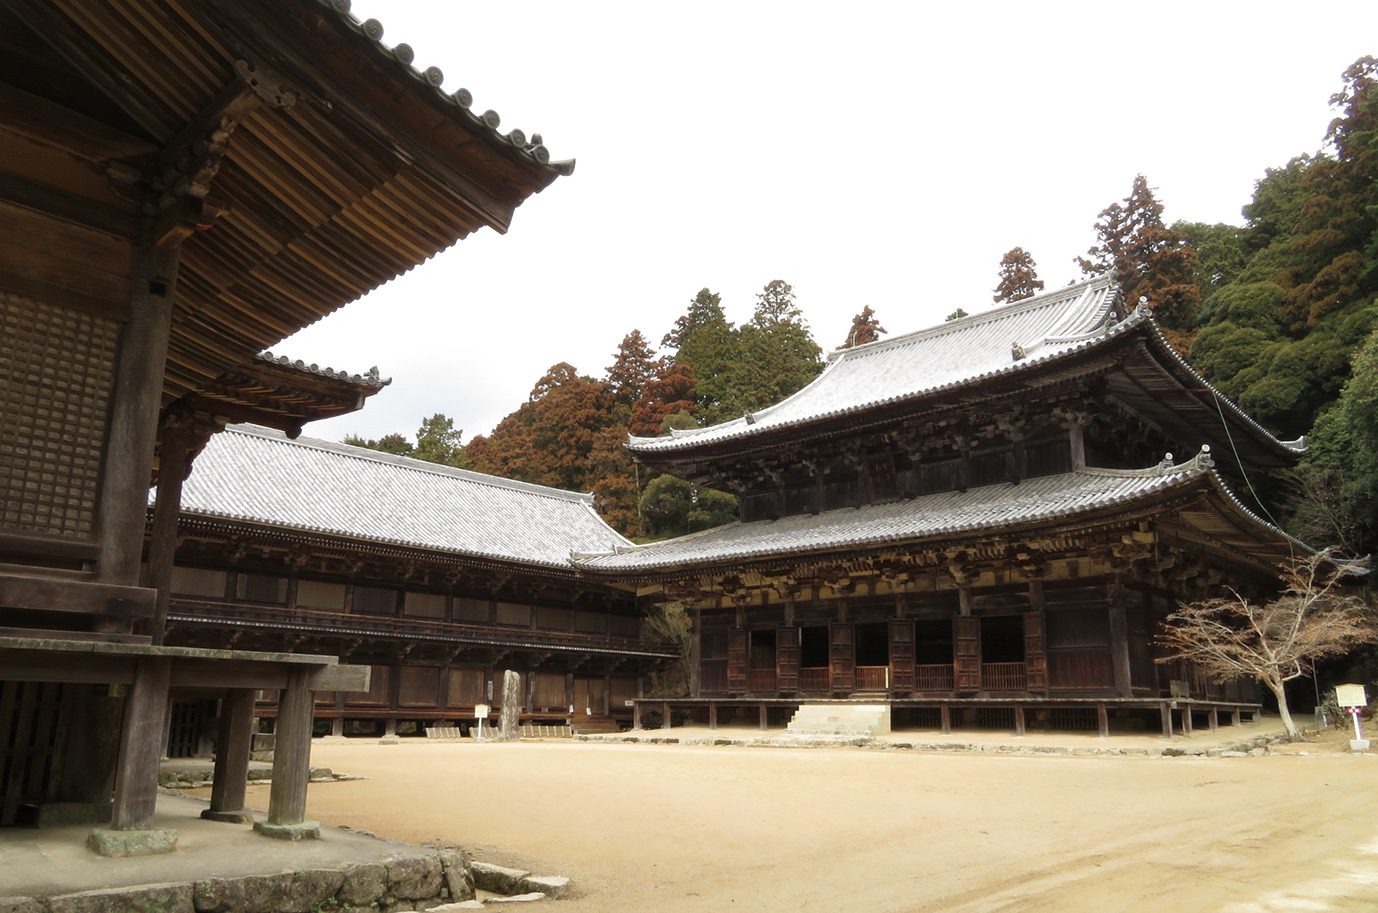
x: 696, y: 828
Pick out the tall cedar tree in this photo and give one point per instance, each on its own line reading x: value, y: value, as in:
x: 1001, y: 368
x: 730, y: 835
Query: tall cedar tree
x: 1149, y: 260
x: 703, y: 340
x: 1018, y: 277
x: 635, y: 365
x: 865, y: 328
x: 670, y: 392
x: 778, y: 354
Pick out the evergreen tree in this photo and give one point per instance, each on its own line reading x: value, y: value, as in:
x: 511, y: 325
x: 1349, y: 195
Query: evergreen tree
x: 1018, y: 277
x: 1148, y: 259
x: 393, y: 443
x: 669, y: 393
x: 635, y: 365
x: 865, y: 328
x: 437, y: 441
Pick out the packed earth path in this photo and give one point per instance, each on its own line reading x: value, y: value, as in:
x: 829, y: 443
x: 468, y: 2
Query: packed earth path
x: 644, y: 827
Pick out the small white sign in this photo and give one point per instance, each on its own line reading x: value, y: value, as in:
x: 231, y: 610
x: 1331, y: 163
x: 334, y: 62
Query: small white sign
x: 1351, y: 696
x: 481, y: 711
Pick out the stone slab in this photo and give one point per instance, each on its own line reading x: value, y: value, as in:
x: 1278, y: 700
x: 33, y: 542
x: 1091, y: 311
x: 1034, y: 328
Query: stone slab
x: 496, y: 878
x: 144, y: 842
x: 306, y: 830
x: 552, y: 886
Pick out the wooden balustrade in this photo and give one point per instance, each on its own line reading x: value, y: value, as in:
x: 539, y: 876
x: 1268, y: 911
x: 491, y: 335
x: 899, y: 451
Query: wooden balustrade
x: 872, y: 678
x: 933, y: 677
x: 761, y: 681
x: 1003, y: 677
x: 814, y: 680
x: 186, y: 611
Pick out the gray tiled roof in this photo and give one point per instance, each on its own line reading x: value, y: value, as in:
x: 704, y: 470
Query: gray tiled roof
x: 253, y: 474
x: 1035, y: 501
x: 458, y: 102
x: 949, y: 355
x: 372, y: 378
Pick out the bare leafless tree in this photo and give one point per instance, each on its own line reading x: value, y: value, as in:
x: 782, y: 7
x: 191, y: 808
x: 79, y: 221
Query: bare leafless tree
x: 1279, y: 640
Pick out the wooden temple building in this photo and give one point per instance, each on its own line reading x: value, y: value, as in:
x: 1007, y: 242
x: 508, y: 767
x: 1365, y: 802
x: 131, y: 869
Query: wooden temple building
x: 184, y: 183
x: 971, y: 523
x: 438, y: 579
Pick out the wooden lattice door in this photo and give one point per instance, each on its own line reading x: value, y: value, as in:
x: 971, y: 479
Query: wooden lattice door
x: 1035, y: 652
x: 966, y: 652
x: 842, y: 656
x: 736, y: 662
x: 787, y: 658
x: 901, y: 656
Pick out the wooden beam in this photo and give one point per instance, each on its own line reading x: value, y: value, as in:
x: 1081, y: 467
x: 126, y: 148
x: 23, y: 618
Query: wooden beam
x: 51, y: 124
x: 291, y: 752
x: 75, y: 209
x: 232, y: 756
x: 52, y: 594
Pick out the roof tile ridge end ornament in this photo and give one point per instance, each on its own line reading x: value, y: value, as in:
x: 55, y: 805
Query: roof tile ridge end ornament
x: 370, y: 377
x: 1200, y: 463
x: 461, y: 99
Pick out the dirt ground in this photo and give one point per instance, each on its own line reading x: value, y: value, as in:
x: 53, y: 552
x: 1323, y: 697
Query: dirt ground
x: 694, y: 828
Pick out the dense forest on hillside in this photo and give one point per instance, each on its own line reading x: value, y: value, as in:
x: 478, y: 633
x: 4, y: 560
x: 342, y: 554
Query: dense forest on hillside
x: 1278, y: 313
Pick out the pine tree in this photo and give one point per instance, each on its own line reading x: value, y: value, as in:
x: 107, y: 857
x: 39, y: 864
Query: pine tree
x: 1018, y: 277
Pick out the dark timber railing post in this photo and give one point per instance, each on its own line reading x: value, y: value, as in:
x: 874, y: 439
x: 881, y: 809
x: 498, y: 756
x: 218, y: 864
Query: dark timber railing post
x: 1166, y: 712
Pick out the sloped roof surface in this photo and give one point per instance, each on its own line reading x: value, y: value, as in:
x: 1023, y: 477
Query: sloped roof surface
x: 949, y: 355
x: 253, y: 474
x: 944, y: 515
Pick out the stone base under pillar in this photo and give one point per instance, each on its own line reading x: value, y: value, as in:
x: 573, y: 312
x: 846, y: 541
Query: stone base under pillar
x: 229, y: 817
x: 306, y: 830
x: 143, y: 842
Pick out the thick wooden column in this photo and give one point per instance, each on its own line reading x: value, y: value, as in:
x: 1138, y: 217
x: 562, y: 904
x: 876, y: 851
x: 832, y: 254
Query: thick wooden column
x: 141, y: 743
x: 695, y: 650
x: 133, y: 426
x: 232, y: 747
x: 180, y: 438
x: 1119, y: 639
x: 291, y: 762
x: 1103, y: 720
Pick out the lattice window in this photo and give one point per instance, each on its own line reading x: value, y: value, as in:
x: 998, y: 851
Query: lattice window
x: 56, y: 373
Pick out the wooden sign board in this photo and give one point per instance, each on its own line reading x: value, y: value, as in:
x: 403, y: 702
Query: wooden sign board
x: 1351, y: 696
x: 481, y: 711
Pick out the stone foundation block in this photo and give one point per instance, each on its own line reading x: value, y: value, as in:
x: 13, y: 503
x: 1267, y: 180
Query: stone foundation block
x: 145, y: 842
x: 306, y: 830
x: 459, y: 876
x: 229, y: 817
x: 496, y: 878
x: 363, y: 884
x: 152, y: 898
x: 518, y: 898
x: 413, y: 876
x: 456, y: 907
x: 552, y: 886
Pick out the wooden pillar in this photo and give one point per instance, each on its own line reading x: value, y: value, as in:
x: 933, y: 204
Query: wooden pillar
x: 133, y: 423
x: 1119, y: 639
x: 1019, y: 720
x: 764, y: 715
x: 178, y: 437
x: 1213, y: 720
x: 665, y: 715
x: 291, y: 752
x: 232, y: 748
x: 569, y: 691
x: 337, y: 727
x: 1235, y: 719
x: 1102, y: 720
x: 1165, y: 711
x: 636, y: 715
x: 712, y: 715
x: 945, y: 714
x: 141, y: 741
x: 1186, y: 720
x: 695, y: 650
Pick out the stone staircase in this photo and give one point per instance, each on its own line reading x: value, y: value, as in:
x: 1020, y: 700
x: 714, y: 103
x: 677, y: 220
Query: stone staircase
x: 843, y: 724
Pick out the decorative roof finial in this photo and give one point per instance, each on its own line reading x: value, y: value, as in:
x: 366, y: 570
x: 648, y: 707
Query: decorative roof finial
x: 1017, y: 351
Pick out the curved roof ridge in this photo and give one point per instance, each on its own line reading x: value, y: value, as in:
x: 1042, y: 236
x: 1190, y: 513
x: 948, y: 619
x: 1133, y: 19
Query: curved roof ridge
x: 411, y: 463
x: 460, y: 101
x: 371, y: 377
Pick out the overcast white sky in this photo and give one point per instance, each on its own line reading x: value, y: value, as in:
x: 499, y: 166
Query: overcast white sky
x: 868, y: 153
